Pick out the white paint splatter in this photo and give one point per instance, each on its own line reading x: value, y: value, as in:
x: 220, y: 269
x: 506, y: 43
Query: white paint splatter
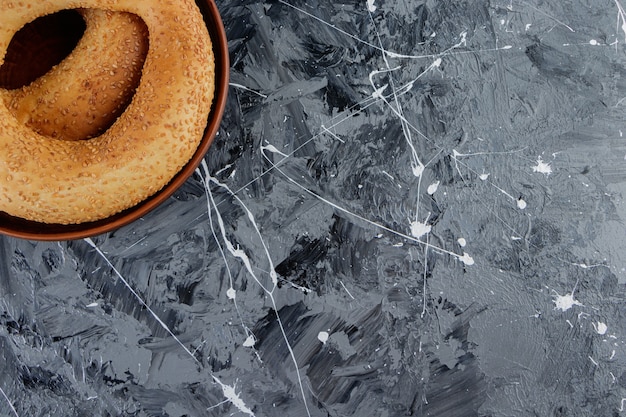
x: 418, y: 169
x: 542, y: 167
x: 370, y: 6
x: 378, y: 93
x: 231, y: 293
x: 232, y: 396
x: 466, y: 259
x: 484, y: 177
x: 601, y: 328
x: 432, y: 189
x: 419, y: 229
x: 462, y: 242
x: 250, y: 341
x: 521, y: 204
x: 565, y: 302
x: 323, y: 337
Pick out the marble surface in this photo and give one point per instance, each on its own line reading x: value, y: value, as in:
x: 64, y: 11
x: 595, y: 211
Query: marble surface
x: 412, y: 208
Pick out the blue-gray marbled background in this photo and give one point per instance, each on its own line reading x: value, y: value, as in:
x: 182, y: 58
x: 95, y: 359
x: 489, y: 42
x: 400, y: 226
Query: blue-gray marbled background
x: 439, y: 187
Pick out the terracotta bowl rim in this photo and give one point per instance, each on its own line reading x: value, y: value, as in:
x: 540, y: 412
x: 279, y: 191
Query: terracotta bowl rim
x: 25, y: 229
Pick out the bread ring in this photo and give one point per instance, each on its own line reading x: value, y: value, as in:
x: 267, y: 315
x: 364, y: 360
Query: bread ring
x: 56, y: 181
x: 83, y: 95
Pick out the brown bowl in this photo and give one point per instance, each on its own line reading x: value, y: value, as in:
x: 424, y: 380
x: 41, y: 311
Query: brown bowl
x: 25, y: 229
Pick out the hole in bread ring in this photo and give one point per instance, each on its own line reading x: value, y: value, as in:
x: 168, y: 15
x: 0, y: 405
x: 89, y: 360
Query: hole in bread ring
x: 54, y: 181
x: 84, y: 94
x: 39, y: 46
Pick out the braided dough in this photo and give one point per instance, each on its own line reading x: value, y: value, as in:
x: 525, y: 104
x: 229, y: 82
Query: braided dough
x: 51, y: 180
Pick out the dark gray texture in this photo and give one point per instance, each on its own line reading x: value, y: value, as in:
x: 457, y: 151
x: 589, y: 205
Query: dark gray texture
x: 511, y: 112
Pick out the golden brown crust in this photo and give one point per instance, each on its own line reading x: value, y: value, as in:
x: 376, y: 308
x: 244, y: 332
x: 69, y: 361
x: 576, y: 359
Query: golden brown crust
x: 56, y: 181
x: 83, y: 95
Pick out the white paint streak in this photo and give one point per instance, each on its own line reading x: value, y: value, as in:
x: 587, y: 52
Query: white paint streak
x: 273, y: 149
x: 548, y: 15
x: 344, y: 287
x: 231, y: 293
x: 243, y: 87
x: 521, y: 204
x: 417, y: 167
x: 424, y: 289
x: 238, y: 252
x: 138, y: 297
x: 9, y: 402
x: 386, y: 53
x: 333, y: 135
x: 621, y: 16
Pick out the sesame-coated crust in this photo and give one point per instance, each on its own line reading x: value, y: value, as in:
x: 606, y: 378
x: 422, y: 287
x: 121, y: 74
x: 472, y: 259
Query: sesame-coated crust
x: 84, y: 94
x: 57, y: 181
